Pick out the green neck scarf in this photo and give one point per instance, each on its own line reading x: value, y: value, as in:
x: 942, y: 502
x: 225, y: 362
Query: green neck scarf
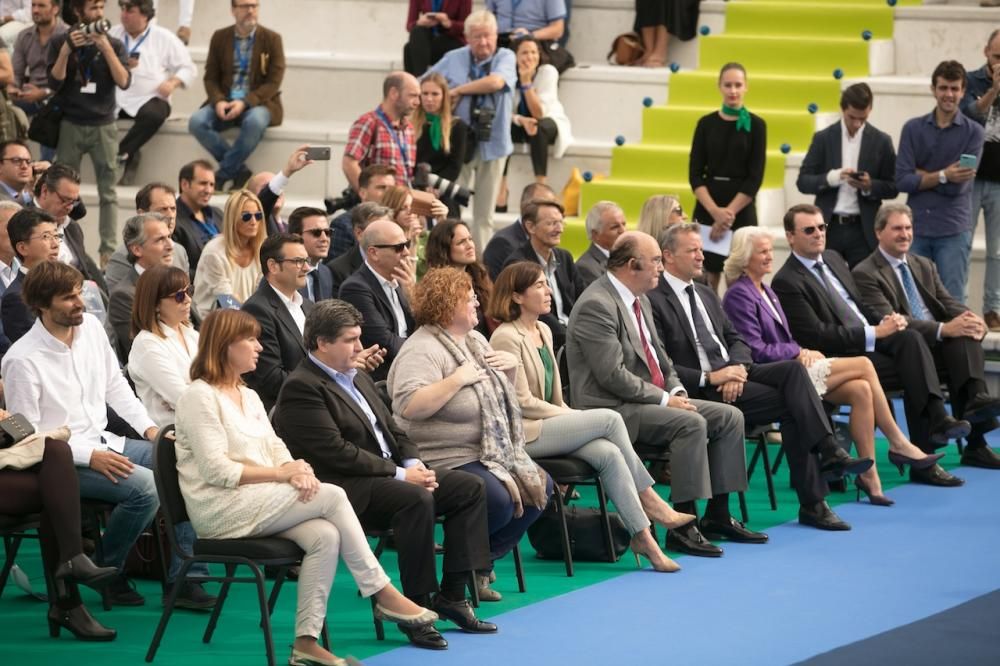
x: 434, y: 130
x: 742, y: 117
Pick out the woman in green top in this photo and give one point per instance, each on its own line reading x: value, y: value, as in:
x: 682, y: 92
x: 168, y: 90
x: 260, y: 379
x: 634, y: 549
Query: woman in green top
x: 598, y: 436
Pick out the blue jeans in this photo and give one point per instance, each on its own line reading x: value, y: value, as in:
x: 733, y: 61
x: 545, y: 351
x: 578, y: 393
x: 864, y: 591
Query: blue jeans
x: 206, y: 128
x: 986, y: 195
x: 951, y: 256
x: 135, y: 503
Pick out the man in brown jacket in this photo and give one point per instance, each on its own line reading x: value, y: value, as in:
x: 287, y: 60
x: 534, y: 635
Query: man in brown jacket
x: 243, y: 74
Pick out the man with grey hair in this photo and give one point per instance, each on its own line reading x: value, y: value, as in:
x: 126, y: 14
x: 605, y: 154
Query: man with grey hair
x: 332, y: 416
x: 147, y: 238
x: 482, y: 79
x: 616, y: 360
x: 893, y: 279
x: 714, y: 363
x: 605, y: 223
x: 361, y: 216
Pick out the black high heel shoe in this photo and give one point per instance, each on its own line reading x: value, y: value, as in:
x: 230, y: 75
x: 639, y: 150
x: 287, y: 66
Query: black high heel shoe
x: 80, y: 623
x: 877, y: 500
x: 900, y: 461
x: 82, y: 569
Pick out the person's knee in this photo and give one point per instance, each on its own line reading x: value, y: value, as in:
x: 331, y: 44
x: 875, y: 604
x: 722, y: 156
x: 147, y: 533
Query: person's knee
x: 256, y: 119
x: 140, y: 489
x: 57, y: 452
x: 324, y: 539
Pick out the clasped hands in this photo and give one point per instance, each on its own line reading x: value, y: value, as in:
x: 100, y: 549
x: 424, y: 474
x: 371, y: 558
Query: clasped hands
x: 299, y: 474
x: 729, y: 381
x: 422, y: 476
x: 230, y: 109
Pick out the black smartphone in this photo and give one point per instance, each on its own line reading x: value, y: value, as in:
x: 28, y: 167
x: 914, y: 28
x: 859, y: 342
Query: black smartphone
x: 317, y: 153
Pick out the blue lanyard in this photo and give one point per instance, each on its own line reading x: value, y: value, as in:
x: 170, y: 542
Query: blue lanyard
x: 138, y: 43
x: 244, y: 57
x: 436, y: 5
x: 399, y: 142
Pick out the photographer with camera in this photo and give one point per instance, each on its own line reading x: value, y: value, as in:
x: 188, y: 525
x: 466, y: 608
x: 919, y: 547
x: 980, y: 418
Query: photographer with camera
x: 482, y: 79
x: 86, y: 67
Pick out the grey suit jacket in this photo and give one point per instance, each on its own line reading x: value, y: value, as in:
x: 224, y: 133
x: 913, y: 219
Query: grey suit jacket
x: 120, y: 313
x: 592, y: 264
x: 607, y: 364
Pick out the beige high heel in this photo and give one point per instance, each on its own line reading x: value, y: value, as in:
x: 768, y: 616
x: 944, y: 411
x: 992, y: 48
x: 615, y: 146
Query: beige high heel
x: 660, y: 562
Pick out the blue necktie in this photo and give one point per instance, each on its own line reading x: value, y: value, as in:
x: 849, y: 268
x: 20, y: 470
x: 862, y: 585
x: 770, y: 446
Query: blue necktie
x: 917, y: 309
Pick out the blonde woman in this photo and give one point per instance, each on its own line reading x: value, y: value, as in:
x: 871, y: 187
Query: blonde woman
x: 441, y: 137
x: 659, y: 212
x: 229, y: 265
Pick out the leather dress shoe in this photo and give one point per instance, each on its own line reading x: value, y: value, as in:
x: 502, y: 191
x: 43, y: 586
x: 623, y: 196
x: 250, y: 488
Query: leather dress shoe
x: 822, y: 517
x: 980, y: 456
x: 835, y: 463
x: 935, y: 476
x: 732, y: 529
x: 425, y: 636
x: 689, y: 540
x: 460, y: 612
x: 949, y: 428
x: 982, y: 407
x: 80, y: 623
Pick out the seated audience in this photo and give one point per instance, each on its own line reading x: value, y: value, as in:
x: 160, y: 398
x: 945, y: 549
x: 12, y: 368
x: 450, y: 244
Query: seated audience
x: 605, y: 222
x: 16, y: 173
x: 454, y: 396
x: 659, y: 212
x: 164, y: 341
x: 313, y: 226
x: 435, y: 27
x: 442, y: 138
x: 756, y: 314
x: 238, y: 480
x: 551, y: 428
x: 544, y: 20
x: 513, y: 236
x: 63, y: 372
x: 539, y: 119
x: 197, y: 220
x: 450, y: 243
x: 10, y: 265
x: 373, y: 182
x: 379, y: 468
x: 361, y: 216
x: 35, y: 240
x: 229, y: 263
x: 49, y: 487
x: 385, y: 135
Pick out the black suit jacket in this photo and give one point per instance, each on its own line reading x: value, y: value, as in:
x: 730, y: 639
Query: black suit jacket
x: 883, y: 293
x: 120, y: 313
x: 187, y: 233
x: 814, y: 321
x: 323, y: 285
x: 500, y: 247
x: 17, y: 318
x: 875, y: 156
x: 324, y: 425
x: 571, y: 285
x: 343, y: 266
x: 283, y: 348
x: 674, y: 329
x: 73, y: 237
x: 363, y: 291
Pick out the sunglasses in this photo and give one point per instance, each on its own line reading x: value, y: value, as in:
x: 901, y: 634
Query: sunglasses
x: 179, y: 296
x: 398, y: 247
x: 316, y: 233
x: 246, y: 217
x: 809, y: 231
x: 677, y: 211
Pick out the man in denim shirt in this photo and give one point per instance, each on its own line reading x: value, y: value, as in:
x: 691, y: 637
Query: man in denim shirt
x: 940, y: 189
x: 981, y: 103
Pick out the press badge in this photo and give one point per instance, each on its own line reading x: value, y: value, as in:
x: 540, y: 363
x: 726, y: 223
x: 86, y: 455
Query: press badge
x: 89, y: 89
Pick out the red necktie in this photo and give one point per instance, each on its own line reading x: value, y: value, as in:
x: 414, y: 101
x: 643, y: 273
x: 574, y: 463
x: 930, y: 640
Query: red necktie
x: 654, y: 368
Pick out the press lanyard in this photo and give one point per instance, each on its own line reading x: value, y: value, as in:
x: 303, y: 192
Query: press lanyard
x: 131, y: 51
x: 244, y: 56
x: 399, y: 142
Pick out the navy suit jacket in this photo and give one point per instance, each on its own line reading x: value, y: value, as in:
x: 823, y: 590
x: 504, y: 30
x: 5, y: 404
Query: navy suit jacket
x: 17, y: 318
x: 769, y: 339
x: 323, y: 285
x: 344, y: 266
x: 363, y: 291
x: 502, y: 245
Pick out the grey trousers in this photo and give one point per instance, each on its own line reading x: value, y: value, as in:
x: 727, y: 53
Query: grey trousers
x: 599, y: 437
x: 101, y: 142
x: 324, y: 528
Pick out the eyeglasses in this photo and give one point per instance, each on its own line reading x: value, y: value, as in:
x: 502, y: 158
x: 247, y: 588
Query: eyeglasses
x: 247, y: 6
x: 809, y: 231
x: 246, y: 217
x: 67, y: 201
x: 398, y: 247
x: 316, y: 233
x: 48, y: 237
x: 179, y: 296
x: 298, y: 261
x: 18, y: 161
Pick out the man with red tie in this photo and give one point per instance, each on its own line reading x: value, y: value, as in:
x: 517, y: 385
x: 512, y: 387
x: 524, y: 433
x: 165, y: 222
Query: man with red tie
x: 616, y: 361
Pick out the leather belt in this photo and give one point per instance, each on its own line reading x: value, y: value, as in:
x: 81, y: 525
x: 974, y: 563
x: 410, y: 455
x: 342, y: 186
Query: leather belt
x: 845, y: 219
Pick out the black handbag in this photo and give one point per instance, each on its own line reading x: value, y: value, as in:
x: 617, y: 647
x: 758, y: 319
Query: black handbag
x: 586, y: 540
x: 13, y: 429
x: 44, y: 127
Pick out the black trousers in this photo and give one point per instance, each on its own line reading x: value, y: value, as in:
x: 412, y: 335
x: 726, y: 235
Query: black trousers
x: 148, y: 120
x: 424, y: 49
x: 782, y: 391
x: 539, y: 144
x: 849, y: 240
x: 410, y: 512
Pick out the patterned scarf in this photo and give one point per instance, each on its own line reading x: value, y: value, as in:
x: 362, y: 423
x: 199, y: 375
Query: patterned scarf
x: 742, y: 117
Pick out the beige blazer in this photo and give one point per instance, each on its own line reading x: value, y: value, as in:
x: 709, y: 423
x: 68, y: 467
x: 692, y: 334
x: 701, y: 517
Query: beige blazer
x: 513, y: 337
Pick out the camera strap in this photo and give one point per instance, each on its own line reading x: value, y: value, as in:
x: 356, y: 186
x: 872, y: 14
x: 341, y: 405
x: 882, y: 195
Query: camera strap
x: 131, y: 50
x: 477, y: 72
x: 396, y: 136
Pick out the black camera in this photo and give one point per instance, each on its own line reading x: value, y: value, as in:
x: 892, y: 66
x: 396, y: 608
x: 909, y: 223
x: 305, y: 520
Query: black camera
x: 446, y: 189
x: 482, y: 122
x: 98, y: 27
x: 347, y: 199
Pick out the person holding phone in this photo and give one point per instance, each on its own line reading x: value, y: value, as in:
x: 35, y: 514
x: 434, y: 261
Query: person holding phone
x: 435, y: 27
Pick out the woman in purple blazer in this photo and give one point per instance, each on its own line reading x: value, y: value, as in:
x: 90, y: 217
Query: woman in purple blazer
x: 757, y: 315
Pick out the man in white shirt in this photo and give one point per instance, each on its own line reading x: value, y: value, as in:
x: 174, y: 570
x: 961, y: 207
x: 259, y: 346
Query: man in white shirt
x: 63, y: 372
x: 160, y: 64
x: 15, y: 16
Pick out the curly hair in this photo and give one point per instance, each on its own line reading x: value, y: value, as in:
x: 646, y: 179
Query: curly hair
x: 438, y: 295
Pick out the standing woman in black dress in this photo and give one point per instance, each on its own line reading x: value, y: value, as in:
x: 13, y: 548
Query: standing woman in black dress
x: 727, y: 164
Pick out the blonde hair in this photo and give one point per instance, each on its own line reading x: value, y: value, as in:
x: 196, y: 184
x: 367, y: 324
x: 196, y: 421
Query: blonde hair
x: 741, y: 250
x: 231, y: 220
x: 655, y: 214
x: 420, y: 116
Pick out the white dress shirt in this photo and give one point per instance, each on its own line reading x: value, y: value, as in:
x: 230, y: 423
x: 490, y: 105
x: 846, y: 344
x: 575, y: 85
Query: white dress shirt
x: 163, y: 55
x: 390, y: 292
x: 294, y: 307
x: 679, y: 287
x: 160, y: 368
x: 847, y: 195
x: 54, y: 385
x: 9, y: 273
x: 65, y: 254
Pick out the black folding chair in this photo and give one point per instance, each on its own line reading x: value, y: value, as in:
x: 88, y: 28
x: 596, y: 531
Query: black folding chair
x: 14, y: 529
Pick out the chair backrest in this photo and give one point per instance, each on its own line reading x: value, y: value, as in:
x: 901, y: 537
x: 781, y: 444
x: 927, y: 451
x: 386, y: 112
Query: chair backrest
x: 168, y: 487
x: 563, y: 364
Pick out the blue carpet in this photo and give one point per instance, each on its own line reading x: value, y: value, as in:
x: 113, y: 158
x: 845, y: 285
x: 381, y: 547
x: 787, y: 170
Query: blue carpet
x: 804, y: 594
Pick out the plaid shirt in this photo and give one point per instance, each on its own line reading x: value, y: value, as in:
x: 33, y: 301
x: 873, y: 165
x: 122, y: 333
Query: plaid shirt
x: 242, y: 53
x: 369, y: 142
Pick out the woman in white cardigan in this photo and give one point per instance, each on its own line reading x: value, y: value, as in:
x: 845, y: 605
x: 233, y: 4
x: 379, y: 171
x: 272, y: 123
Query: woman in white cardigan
x: 238, y: 480
x: 164, y: 342
x: 539, y: 119
x: 598, y: 436
x: 229, y: 263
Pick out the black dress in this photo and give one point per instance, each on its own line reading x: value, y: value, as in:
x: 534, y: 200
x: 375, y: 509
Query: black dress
x: 447, y: 165
x: 727, y: 162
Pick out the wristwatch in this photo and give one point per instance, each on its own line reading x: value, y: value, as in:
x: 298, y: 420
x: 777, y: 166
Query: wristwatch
x: 705, y: 376
x: 942, y: 177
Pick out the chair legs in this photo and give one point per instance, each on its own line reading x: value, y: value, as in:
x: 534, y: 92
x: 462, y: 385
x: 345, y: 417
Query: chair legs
x: 602, y: 500
x: 564, y: 532
x: 519, y: 569
x: 219, y: 601
x: 11, y: 544
x: 168, y: 610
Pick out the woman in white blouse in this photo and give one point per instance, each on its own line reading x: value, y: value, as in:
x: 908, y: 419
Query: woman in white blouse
x: 238, y: 480
x: 164, y: 342
x: 229, y: 265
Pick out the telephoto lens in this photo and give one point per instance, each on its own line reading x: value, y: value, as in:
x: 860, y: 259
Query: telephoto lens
x: 96, y: 28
